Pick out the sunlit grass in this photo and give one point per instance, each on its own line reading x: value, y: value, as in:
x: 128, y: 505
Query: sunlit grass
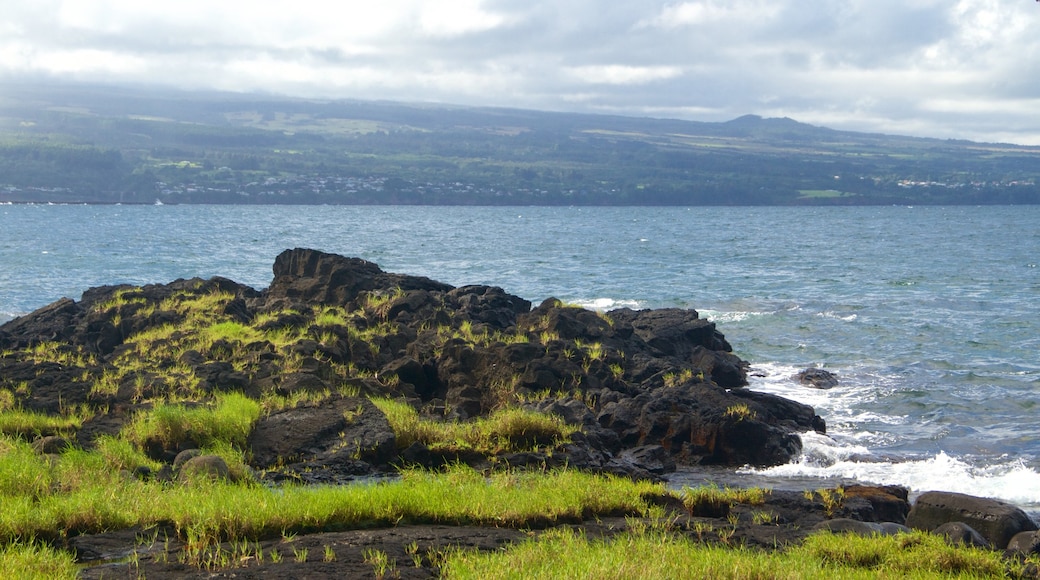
x: 564, y: 553
x: 503, y: 431
x: 229, y: 420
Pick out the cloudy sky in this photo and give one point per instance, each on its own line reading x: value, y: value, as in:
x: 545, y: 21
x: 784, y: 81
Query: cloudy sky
x: 939, y: 68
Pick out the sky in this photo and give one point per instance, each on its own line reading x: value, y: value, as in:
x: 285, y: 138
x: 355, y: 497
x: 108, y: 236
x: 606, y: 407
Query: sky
x: 963, y: 69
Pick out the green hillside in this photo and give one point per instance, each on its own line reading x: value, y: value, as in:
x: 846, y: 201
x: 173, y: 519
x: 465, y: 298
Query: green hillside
x: 76, y: 143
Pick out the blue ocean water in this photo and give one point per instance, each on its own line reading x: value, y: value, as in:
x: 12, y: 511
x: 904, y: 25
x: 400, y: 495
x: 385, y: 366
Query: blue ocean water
x: 929, y: 315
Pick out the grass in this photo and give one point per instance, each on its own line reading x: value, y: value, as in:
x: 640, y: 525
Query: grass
x: 564, y: 553
x: 83, y: 495
x: 507, y: 430
x: 32, y: 560
x: 228, y: 421
x: 25, y: 423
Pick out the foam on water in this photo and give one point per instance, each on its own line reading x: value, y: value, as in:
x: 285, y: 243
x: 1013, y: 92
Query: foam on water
x: 825, y: 458
x: 859, y: 442
x: 605, y: 304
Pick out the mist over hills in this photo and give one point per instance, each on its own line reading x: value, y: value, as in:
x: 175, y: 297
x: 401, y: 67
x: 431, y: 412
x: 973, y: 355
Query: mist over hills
x: 100, y: 144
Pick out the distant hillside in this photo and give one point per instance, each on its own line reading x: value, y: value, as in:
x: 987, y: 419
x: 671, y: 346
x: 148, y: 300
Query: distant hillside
x: 76, y: 143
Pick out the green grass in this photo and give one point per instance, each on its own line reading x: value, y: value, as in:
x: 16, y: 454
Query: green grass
x: 228, y: 421
x: 563, y: 553
x: 84, y: 495
x: 507, y: 430
x: 32, y: 560
x: 29, y: 423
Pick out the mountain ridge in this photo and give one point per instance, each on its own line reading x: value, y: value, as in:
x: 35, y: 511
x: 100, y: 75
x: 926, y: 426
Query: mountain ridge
x: 117, y: 144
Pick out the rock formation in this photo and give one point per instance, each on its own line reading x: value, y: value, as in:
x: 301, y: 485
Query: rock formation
x: 648, y: 388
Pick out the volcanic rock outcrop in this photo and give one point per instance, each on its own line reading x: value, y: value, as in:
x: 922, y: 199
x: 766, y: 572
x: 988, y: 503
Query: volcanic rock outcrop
x: 648, y: 388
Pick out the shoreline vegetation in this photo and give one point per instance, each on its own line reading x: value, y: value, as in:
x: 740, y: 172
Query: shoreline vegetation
x: 75, y: 144
x: 347, y: 422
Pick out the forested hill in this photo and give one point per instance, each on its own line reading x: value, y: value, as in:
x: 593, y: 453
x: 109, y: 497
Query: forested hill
x: 74, y: 143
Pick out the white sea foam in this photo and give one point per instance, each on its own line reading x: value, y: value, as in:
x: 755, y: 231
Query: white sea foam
x: 825, y: 458
x: 605, y: 304
x: 723, y: 317
x: 837, y: 316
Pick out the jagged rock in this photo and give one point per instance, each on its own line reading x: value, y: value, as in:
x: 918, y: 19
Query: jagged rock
x: 702, y: 423
x: 995, y: 520
x: 314, y: 277
x: 660, y: 380
x: 346, y: 428
x: 887, y: 503
x: 817, y: 378
x: 652, y: 458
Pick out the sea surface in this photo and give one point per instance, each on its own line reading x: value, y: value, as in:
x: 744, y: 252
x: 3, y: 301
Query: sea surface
x: 930, y: 316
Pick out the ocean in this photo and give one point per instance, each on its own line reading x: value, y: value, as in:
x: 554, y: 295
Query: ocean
x: 929, y: 316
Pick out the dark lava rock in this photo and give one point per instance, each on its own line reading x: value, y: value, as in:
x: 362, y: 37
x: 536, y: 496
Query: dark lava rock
x: 313, y: 277
x: 650, y: 388
x: 960, y: 533
x: 995, y: 520
x: 344, y: 430
x: 817, y: 378
x: 51, y: 444
x: 207, y: 466
x: 1025, y: 543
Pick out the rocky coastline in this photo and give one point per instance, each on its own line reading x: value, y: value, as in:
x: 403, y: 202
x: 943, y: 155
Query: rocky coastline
x: 638, y: 392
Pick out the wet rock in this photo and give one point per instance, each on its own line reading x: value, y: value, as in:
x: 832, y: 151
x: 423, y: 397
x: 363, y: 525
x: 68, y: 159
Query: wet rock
x: 817, y: 378
x: 887, y: 503
x: 994, y: 520
x: 652, y: 458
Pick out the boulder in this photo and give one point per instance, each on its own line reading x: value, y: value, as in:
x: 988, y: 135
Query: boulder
x: 203, y: 466
x: 887, y: 503
x: 314, y: 277
x: 994, y: 520
x: 850, y: 526
x: 961, y: 534
x: 817, y: 378
x: 343, y: 428
x: 1025, y: 543
x: 702, y: 423
x: 51, y: 444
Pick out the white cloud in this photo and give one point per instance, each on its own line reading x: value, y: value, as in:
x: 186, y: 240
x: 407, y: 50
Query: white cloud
x: 619, y: 74
x: 930, y: 67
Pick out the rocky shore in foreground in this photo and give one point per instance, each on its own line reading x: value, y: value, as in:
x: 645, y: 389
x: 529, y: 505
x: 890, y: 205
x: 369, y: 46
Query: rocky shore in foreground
x: 332, y: 339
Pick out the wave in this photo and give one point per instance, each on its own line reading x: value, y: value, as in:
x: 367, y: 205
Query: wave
x: 824, y: 458
x: 605, y: 304
x: 724, y: 317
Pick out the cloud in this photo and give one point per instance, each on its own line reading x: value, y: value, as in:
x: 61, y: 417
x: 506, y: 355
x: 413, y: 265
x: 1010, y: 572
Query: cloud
x: 948, y: 68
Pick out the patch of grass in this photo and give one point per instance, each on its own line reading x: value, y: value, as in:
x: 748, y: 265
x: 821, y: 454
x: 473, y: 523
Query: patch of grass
x: 100, y: 499
x: 32, y: 560
x: 228, y: 421
x: 740, y: 412
x: 713, y: 501
x: 27, y: 423
x: 564, y: 553
x: 506, y: 430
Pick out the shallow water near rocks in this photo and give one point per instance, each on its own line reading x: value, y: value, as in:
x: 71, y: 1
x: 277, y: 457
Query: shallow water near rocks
x: 928, y: 315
